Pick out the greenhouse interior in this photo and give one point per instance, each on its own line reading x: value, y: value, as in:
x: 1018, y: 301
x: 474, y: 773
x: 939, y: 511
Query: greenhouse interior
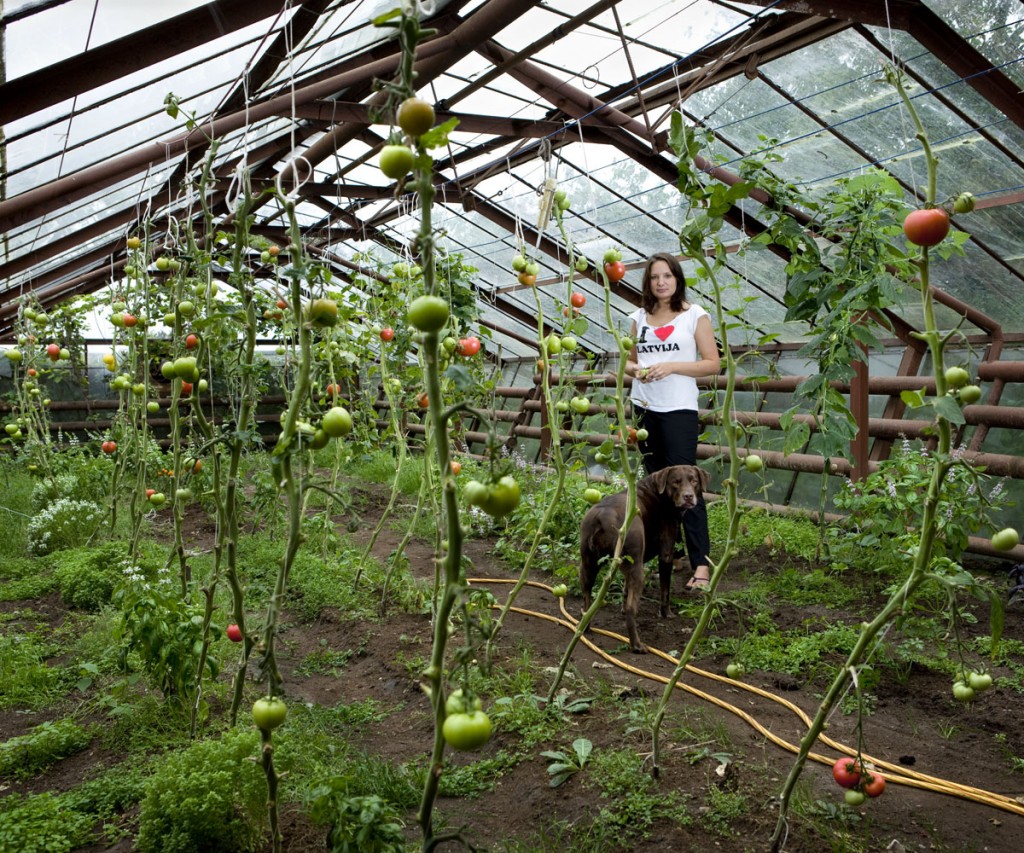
x: 336, y: 443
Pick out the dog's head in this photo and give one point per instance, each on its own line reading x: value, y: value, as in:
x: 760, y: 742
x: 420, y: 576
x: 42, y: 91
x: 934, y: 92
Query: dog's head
x: 682, y: 484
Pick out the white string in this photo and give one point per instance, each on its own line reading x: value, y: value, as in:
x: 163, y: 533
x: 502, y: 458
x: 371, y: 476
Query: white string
x: 292, y: 167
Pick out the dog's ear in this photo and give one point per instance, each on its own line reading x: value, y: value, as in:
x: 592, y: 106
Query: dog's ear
x: 705, y: 478
x: 660, y: 480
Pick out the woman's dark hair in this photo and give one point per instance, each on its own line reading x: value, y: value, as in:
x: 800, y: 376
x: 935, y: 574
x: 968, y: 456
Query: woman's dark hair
x: 647, y: 297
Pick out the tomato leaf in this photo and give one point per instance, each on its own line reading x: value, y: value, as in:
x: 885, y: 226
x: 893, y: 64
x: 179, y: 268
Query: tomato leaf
x: 948, y: 408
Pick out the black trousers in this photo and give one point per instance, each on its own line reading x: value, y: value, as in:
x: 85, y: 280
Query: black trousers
x: 672, y: 440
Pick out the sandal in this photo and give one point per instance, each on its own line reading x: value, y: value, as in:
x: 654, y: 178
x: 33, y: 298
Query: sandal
x: 697, y: 584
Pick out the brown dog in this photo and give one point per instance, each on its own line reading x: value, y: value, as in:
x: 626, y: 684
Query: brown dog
x: 661, y: 499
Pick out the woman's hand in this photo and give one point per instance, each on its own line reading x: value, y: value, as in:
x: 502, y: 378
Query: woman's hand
x: 655, y: 372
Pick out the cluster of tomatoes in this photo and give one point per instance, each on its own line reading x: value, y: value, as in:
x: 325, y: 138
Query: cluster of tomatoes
x: 415, y: 117
x: 859, y: 782
x: 526, y: 269
x: 614, y: 269
x: 466, y: 725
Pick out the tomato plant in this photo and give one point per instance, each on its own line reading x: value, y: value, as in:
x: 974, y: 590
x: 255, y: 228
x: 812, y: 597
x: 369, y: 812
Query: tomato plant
x: 926, y: 227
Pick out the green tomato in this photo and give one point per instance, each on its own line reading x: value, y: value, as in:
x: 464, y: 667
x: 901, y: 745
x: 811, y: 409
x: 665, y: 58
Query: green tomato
x: 396, y: 161
x: 964, y: 203
x: 854, y: 797
x: 459, y: 702
x: 322, y: 313
x: 560, y: 590
x: 580, y: 405
x: 642, y: 434
x: 502, y: 497
x: 970, y: 394
x: 957, y: 377
x: 553, y: 344
x: 167, y: 370
x: 753, y: 463
x: 735, y: 670
x: 962, y: 692
x: 269, y: 712
x: 428, y: 313
x: 185, y: 367
x: 979, y: 681
x: 1005, y: 539
x: 592, y: 495
x: 337, y: 422
x: 467, y: 731
x: 519, y: 263
x: 562, y: 406
x: 474, y: 493
x: 569, y: 343
x: 581, y: 264
x: 152, y: 407
x: 158, y: 498
x: 186, y: 308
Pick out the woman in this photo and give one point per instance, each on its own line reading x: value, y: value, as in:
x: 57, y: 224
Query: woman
x: 674, y: 345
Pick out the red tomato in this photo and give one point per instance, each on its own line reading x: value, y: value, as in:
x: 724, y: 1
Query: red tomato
x: 927, y: 227
x: 131, y: 320
x: 282, y: 304
x: 616, y: 271
x: 526, y: 278
x: 567, y: 310
x: 191, y: 342
x: 846, y: 772
x: 456, y: 467
x: 234, y: 633
x: 332, y: 390
x: 423, y: 401
x: 108, y: 446
x: 875, y: 786
x: 186, y: 388
x: 387, y: 334
x: 150, y: 492
x: 468, y: 346
x: 578, y: 300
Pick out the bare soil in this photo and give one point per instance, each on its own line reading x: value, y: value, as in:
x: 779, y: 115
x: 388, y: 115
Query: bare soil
x: 915, y: 724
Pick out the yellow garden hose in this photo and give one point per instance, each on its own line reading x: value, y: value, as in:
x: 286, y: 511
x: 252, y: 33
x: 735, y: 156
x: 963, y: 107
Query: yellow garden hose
x: 894, y: 773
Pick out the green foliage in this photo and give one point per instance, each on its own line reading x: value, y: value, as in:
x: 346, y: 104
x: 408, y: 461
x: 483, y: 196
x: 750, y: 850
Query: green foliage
x: 478, y: 777
x: 65, y: 523
x: 359, y: 824
x: 142, y: 725
x: 42, y: 824
x: 163, y: 630
x: 788, y: 534
x: 26, y: 681
x: 22, y: 579
x: 379, y: 467
x: 207, y: 797
x: 630, y: 800
x: 723, y: 808
x: 46, y: 744
x: 806, y: 653
x: 87, y: 576
x: 885, y: 510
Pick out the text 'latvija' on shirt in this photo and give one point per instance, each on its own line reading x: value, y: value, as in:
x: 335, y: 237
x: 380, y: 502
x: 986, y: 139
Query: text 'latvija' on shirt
x: 674, y: 341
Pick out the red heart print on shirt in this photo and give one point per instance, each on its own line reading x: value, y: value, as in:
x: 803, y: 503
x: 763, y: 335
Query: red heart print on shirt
x: 664, y: 332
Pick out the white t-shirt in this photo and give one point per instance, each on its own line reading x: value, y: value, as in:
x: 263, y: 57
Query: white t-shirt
x: 675, y: 341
